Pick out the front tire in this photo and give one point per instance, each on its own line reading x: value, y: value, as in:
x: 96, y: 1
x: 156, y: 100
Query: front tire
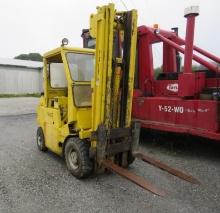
x: 41, y: 140
x: 77, y: 157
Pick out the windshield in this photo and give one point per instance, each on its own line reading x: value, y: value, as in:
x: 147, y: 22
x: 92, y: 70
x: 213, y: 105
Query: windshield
x: 81, y: 66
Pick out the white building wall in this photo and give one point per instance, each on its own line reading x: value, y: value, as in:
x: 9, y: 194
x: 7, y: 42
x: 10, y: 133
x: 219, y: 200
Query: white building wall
x: 20, y: 80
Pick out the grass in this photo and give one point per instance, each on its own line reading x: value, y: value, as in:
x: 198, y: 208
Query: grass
x: 19, y: 95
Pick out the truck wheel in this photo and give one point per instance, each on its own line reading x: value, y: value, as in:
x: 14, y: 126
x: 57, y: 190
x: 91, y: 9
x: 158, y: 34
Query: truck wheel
x: 40, y: 140
x: 77, y: 157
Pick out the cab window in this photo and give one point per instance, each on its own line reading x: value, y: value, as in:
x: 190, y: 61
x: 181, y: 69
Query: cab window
x: 81, y: 66
x: 57, y: 75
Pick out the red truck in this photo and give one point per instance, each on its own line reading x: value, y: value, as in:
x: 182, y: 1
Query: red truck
x: 181, y: 101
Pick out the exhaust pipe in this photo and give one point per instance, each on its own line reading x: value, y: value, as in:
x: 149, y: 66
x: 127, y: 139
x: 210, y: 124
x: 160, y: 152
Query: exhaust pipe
x: 190, y: 13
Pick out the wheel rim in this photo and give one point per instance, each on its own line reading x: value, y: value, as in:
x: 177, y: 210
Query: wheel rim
x: 73, y: 159
x: 39, y: 141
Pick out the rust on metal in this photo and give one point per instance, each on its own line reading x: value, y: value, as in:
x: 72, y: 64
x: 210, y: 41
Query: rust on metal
x: 133, y: 177
x: 167, y: 168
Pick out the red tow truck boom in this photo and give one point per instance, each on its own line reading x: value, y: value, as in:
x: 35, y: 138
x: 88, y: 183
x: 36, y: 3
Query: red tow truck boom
x: 181, y: 101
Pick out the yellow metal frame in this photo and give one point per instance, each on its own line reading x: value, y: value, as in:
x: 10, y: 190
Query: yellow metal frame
x: 102, y: 27
x: 56, y: 129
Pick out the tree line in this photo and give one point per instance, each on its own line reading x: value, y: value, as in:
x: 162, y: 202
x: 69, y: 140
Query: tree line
x: 30, y: 57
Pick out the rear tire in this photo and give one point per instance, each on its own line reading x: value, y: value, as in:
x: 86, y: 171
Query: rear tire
x: 41, y: 140
x: 77, y: 157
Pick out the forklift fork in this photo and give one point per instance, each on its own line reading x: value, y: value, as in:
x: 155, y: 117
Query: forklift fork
x: 106, y: 151
x: 133, y: 177
x: 167, y: 168
x: 108, y: 164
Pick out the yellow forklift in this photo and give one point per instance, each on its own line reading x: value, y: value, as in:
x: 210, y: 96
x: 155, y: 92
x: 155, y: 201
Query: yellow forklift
x: 84, y: 114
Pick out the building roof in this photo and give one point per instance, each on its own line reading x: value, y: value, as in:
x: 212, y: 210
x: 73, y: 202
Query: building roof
x: 20, y: 63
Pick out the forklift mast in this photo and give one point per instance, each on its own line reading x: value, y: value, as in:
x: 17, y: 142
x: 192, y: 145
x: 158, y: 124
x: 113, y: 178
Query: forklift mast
x: 116, y: 35
x: 115, y: 50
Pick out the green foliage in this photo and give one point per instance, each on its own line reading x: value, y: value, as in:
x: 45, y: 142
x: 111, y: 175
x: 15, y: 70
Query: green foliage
x: 19, y: 95
x: 194, y: 67
x: 30, y: 57
x: 157, y: 71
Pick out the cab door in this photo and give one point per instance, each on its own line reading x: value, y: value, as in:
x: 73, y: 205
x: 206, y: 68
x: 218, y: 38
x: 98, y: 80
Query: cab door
x: 56, y: 93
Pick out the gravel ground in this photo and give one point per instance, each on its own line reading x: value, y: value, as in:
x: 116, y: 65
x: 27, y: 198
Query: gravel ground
x: 18, y: 106
x: 32, y: 181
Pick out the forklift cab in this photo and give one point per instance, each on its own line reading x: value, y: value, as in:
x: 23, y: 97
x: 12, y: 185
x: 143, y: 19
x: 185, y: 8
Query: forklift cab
x: 67, y: 95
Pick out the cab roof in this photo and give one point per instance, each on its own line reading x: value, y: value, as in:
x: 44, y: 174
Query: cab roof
x: 59, y: 50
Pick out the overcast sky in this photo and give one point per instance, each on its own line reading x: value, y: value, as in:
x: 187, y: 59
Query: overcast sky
x: 39, y: 25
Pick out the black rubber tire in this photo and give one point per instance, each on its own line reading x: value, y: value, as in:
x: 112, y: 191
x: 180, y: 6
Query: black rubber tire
x: 40, y: 140
x: 131, y: 158
x: 77, y: 157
